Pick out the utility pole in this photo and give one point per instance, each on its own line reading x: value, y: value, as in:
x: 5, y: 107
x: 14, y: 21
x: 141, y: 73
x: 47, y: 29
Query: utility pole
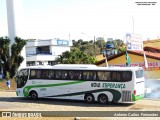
x: 11, y: 22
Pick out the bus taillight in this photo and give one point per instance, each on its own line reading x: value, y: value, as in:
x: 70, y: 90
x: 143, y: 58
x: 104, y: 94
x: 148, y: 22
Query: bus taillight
x: 134, y: 92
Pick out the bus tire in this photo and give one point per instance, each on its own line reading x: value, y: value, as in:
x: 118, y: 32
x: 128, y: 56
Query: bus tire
x: 89, y: 98
x: 102, y: 99
x: 33, y: 95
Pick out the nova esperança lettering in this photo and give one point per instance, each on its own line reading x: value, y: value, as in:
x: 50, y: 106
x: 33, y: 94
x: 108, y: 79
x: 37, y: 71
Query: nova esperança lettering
x: 109, y: 85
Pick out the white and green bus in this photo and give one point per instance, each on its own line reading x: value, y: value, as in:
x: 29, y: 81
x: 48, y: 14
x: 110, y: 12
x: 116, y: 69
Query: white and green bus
x: 82, y: 82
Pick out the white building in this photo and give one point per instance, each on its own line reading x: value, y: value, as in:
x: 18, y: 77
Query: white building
x: 45, y: 52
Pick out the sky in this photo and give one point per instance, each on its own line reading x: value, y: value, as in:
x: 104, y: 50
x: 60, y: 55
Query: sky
x: 82, y: 19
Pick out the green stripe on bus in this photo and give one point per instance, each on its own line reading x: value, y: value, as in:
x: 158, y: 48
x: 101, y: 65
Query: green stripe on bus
x: 137, y: 97
x: 116, y: 94
x: 27, y: 88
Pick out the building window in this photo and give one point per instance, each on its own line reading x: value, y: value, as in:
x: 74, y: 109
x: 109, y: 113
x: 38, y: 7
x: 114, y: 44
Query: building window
x: 43, y: 50
x: 52, y: 63
x: 40, y: 63
x: 31, y: 63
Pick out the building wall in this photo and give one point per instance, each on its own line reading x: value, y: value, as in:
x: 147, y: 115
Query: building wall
x: 153, y: 72
x: 57, y: 50
x: 152, y: 43
x: 23, y: 53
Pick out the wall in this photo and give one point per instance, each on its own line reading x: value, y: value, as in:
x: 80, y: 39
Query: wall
x: 57, y: 50
x: 152, y: 43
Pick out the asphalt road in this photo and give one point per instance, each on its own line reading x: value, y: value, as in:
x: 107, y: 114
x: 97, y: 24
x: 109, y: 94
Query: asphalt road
x: 9, y: 101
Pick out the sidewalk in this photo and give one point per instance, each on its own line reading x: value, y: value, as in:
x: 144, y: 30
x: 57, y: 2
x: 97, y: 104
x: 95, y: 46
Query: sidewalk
x: 7, y: 90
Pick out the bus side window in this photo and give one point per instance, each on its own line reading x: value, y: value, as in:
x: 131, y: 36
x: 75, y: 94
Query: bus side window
x: 45, y: 74
x: 58, y: 74
x: 124, y: 76
x: 89, y: 75
x: 38, y: 74
x: 97, y: 77
x: 71, y: 75
x: 51, y: 74
x: 128, y: 76
x: 84, y: 75
x: 80, y: 76
x: 108, y: 75
x: 101, y: 75
x: 94, y: 76
x: 32, y: 74
x: 64, y: 75
x: 75, y: 76
x: 118, y: 76
x: 114, y: 76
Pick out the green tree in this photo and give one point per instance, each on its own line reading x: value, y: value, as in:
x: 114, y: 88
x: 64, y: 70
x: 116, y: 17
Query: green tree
x: 94, y: 48
x: 91, y: 50
x: 120, y: 46
x: 75, y: 56
x: 88, y: 47
x: 100, y: 43
x: 11, y: 63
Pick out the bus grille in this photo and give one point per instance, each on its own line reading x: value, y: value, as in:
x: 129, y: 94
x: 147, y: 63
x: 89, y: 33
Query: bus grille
x: 126, y: 96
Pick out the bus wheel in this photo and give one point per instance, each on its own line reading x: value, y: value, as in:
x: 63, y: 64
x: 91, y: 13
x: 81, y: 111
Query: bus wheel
x: 33, y: 95
x: 103, y: 99
x: 89, y: 98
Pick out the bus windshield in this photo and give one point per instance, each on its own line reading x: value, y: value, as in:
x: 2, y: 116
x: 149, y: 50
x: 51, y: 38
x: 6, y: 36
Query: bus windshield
x: 22, y: 77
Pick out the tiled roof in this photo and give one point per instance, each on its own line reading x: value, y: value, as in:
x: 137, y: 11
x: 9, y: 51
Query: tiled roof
x: 148, y: 54
x: 146, y: 48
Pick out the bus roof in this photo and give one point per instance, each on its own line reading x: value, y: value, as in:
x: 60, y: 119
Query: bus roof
x: 82, y: 67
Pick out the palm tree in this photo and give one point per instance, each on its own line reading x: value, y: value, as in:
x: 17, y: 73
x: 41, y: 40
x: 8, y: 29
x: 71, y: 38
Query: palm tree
x: 11, y: 63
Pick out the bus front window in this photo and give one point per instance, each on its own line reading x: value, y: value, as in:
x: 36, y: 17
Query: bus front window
x: 22, y: 78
